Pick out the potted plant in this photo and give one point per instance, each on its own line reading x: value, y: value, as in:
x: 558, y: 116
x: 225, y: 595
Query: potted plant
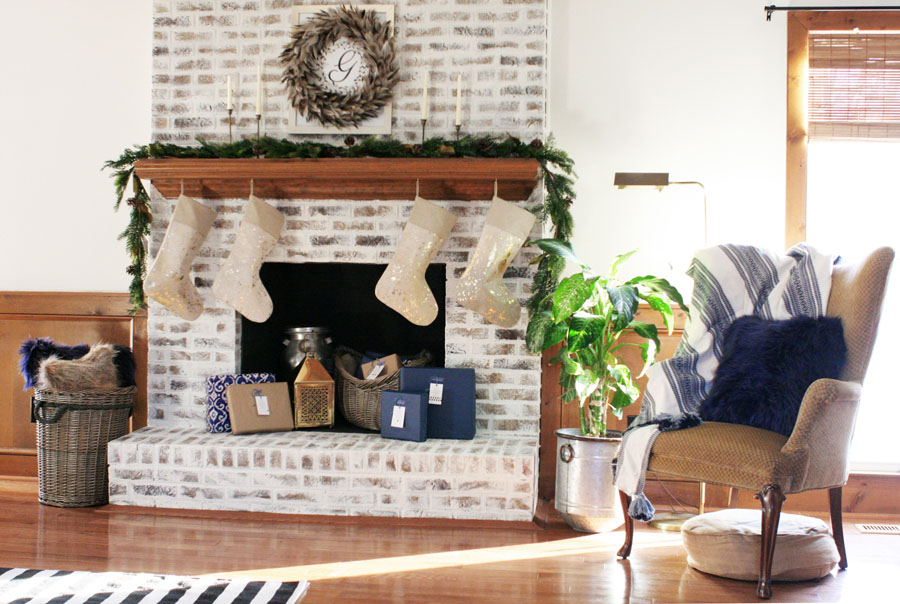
x: 588, y: 314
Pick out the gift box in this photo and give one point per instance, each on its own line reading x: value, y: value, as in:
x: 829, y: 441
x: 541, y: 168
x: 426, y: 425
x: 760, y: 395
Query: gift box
x: 217, y: 418
x: 259, y: 408
x: 404, y: 415
x: 451, y: 399
x: 386, y: 366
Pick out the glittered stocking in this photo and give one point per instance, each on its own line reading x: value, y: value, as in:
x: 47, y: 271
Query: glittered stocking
x: 169, y: 281
x: 402, y: 286
x: 238, y: 284
x: 481, y: 286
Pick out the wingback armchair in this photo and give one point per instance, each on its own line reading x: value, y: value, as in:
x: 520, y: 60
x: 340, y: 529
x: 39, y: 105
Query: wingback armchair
x: 815, y: 455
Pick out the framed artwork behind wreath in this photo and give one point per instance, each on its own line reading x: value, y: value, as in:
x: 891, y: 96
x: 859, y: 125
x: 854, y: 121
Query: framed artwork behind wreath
x: 343, y: 68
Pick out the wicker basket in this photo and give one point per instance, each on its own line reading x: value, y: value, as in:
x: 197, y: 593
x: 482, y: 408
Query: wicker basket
x: 360, y: 400
x: 73, y: 429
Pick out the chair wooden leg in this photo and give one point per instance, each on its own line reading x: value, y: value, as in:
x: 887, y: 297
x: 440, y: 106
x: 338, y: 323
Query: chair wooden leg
x: 837, y: 524
x: 771, y: 499
x: 625, y: 550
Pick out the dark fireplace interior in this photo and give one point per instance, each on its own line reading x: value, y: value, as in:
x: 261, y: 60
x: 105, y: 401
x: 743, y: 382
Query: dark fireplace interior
x: 340, y: 296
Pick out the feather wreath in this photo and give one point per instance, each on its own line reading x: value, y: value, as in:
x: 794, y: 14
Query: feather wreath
x: 47, y: 365
x: 302, y: 76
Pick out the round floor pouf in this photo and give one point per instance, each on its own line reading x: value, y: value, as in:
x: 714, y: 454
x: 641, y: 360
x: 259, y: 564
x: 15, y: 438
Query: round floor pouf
x: 726, y: 543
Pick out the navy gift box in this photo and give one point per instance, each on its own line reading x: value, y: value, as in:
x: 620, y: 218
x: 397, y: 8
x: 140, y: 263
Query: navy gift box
x: 217, y: 418
x: 415, y: 415
x: 453, y: 414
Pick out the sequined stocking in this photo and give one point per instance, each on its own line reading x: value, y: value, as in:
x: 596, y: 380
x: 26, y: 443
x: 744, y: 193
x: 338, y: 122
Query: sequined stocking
x: 238, y: 284
x: 481, y: 286
x: 402, y: 286
x: 168, y: 281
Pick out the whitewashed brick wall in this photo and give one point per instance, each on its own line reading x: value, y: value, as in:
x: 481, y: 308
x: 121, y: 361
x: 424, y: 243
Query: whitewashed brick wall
x: 183, y: 354
x: 498, y: 46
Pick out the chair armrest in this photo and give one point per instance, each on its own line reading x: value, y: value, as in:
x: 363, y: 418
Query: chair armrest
x: 821, y: 437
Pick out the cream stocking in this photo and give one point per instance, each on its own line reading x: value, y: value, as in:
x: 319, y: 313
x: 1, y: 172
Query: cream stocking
x: 169, y: 280
x: 481, y: 286
x: 238, y: 284
x: 402, y: 286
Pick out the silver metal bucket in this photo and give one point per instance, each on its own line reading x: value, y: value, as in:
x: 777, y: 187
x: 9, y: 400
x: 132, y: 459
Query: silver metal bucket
x: 585, y: 495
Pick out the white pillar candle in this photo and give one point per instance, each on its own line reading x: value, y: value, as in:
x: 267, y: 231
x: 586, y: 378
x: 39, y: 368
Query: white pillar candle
x: 259, y: 92
x: 230, y: 94
x: 425, y: 96
x: 459, y: 99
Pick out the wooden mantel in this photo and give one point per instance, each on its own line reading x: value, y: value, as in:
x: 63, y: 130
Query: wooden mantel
x: 343, y: 178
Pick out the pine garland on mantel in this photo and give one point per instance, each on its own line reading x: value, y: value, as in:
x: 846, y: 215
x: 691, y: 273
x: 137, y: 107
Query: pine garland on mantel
x: 555, y: 165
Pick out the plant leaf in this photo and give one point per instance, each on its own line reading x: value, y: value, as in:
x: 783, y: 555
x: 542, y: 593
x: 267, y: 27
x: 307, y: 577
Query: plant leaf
x: 645, y: 330
x: 621, y: 374
x: 586, y: 384
x: 624, y: 299
x: 648, y: 353
x: 614, y: 268
x: 660, y: 305
x: 537, y: 330
x: 570, y: 295
x: 618, y: 402
x: 571, y: 366
x: 660, y: 286
x: 584, y: 331
x: 558, y: 247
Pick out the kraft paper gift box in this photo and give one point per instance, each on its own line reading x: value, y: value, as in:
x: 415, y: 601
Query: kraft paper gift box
x: 259, y: 408
x: 404, y: 415
x: 217, y: 418
x: 451, y: 399
x: 389, y: 365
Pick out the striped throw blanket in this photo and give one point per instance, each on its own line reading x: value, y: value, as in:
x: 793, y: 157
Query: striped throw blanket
x: 24, y: 586
x: 730, y: 281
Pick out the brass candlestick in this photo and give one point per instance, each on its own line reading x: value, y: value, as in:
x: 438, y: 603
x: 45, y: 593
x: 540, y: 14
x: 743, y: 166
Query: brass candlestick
x: 424, y: 121
x: 230, y: 121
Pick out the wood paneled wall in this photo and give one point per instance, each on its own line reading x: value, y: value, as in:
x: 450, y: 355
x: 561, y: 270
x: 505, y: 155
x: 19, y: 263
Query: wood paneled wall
x: 68, y: 318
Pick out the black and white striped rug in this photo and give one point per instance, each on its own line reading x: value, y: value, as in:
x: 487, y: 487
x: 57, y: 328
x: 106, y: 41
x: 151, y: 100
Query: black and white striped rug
x: 24, y: 586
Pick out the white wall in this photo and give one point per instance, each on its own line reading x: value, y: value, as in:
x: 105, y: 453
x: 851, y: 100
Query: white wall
x: 696, y: 89
x: 76, y: 91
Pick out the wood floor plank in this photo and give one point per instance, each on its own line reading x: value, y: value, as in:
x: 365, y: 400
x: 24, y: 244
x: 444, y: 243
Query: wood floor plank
x: 384, y: 561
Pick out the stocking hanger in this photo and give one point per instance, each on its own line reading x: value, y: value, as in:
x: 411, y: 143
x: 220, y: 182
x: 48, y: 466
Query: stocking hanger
x: 251, y: 187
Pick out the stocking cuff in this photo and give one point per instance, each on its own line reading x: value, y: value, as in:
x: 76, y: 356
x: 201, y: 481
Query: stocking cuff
x: 432, y: 217
x: 194, y: 214
x: 260, y: 213
x: 510, y: 218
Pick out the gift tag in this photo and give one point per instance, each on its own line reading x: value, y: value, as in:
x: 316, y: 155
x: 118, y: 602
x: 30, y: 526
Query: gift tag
x: 398, y: 417
x: 435, y: 393
x: 376, y: 370
x: 262, y: 403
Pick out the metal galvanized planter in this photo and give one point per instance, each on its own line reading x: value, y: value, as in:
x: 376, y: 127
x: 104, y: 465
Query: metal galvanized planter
x: 585, y: 495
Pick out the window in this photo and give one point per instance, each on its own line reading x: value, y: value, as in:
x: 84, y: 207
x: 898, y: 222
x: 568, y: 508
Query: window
x: 843, y: 153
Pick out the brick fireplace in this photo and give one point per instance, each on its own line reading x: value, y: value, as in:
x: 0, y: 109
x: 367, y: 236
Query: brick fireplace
x: 499, y: 48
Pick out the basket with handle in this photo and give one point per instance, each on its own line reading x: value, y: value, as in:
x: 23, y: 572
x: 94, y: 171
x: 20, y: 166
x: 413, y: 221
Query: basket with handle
x: 360, y: 400
x: 73, y: 429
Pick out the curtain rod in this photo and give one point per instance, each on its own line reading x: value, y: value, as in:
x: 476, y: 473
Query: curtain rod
x: 772, y: 8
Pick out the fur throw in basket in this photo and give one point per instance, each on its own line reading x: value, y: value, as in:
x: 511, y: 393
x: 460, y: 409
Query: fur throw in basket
x: 50, y: 366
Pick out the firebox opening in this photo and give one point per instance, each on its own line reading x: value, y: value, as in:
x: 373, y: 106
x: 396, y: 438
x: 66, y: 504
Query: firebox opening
x: 340, y: 296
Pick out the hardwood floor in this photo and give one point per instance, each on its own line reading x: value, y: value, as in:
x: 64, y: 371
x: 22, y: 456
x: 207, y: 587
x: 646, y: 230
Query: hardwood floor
x: 389, y: 560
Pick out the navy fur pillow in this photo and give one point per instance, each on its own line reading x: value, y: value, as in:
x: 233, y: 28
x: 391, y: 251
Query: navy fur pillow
x: 33, y: 352
x: 767, y: 366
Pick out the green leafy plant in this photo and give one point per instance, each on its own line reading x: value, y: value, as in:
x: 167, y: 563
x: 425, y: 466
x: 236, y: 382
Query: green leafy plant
x: 588, y: 314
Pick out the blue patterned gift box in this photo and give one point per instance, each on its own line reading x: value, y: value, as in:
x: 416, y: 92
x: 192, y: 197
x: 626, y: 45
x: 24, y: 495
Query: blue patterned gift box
x: 217, y: 418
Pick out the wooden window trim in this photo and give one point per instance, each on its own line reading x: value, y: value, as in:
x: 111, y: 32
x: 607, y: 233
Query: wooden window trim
x: 799, y: 24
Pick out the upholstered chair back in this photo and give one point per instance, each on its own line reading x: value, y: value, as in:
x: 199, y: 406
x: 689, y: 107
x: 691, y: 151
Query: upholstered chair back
x: 857, y: 293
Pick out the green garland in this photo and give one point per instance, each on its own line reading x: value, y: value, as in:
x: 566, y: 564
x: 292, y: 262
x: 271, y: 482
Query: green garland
x: 556, y: 171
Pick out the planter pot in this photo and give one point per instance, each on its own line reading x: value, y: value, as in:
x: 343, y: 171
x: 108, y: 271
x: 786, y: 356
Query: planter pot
x: 585, y: 495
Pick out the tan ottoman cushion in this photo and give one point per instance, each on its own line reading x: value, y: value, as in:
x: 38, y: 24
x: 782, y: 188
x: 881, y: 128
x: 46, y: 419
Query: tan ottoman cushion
x: 726, y: 543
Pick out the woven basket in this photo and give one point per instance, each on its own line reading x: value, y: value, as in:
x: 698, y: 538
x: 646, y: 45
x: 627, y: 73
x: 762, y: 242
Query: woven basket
x: 73, y: 429
x: 360, y: 400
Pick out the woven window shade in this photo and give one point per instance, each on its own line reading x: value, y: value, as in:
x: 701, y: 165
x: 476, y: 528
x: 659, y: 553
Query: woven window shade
x: 854, y: 86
